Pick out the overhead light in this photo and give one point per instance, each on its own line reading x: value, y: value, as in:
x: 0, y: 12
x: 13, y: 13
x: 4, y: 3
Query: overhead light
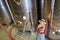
x: 53, y: 32
x: 24, y: 17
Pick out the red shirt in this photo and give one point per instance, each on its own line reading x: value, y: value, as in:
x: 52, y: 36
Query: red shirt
x: 38, y: 31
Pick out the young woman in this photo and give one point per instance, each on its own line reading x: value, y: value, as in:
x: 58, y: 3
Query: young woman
x: 41, y: 30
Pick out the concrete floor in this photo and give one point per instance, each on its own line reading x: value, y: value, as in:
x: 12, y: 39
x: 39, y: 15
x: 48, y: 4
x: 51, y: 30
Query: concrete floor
x: 28, y: 36
x: 56, y: 26
x: 18, y: 35
x: 3, y: 35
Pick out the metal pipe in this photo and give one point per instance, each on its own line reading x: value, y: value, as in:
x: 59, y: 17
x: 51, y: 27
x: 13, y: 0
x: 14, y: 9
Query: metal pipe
x: 10, y: 11
x: 42, y: 8
x: 52, y: 11
x: 4, y: 13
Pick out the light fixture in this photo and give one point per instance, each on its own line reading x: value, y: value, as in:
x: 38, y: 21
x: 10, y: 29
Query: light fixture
x: 24, y: 17
x: 53, y: 32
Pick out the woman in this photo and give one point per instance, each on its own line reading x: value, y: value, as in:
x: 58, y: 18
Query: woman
x: 41, y: 30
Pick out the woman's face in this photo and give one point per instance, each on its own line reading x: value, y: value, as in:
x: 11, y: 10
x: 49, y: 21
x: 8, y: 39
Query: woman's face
x: 41, y: 22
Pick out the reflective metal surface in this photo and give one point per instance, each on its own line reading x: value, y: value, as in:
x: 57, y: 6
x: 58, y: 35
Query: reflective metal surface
x: 45, y: 8
x: 56, y: 20
x: 22, y: 11
x: 42, y: 7
x: 5, y: 17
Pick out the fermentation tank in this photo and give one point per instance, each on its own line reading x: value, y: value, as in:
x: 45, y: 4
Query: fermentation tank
x: 23, y: 11
x: 55, y: 31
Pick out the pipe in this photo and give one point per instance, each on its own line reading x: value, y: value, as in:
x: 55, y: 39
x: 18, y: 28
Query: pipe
x: 8, y: 32
x: 42, y: 8
x: 52, y: 11
x: 10, y: 11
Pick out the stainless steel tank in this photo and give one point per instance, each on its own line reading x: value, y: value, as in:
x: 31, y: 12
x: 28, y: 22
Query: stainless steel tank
x: 55, y: 7
x: 45, y: 8
x: 22, y: 12
x: 5, y: 17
